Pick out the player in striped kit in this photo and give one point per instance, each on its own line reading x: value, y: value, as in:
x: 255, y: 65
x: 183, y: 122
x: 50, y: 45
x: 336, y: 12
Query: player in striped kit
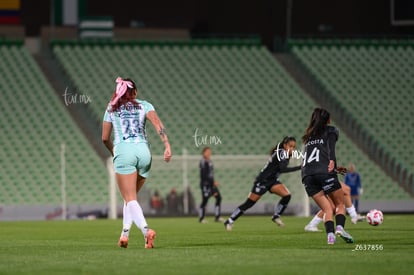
x: 126, y: 116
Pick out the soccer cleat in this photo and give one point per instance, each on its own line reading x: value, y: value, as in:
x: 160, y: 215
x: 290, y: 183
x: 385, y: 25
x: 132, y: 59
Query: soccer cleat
x: 343, y: 234
x: 331, y: 238
x: 311, y: 228
x: 203, y: 221
x: 228, y: 226
x: 219, y: 219
x: 358, y: 218
x: 123, y: 242
x: 361, y: 217
x: 354, y: 220
x: 149, y: 238
x: 278, y: 221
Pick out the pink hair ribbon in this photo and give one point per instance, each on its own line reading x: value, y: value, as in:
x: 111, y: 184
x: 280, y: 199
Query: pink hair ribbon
x: 121, y: 88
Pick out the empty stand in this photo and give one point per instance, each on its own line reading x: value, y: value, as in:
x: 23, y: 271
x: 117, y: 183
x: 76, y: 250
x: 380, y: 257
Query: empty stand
x: 240, y: 94
x: 34, y: 125
x: 373, y: 81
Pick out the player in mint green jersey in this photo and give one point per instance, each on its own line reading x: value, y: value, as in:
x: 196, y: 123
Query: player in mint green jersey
x: 126, y: 116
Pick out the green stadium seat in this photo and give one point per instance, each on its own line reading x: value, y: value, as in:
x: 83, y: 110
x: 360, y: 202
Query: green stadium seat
x: 34, y: 140
x: 377, y: 80
x: 239, y: 93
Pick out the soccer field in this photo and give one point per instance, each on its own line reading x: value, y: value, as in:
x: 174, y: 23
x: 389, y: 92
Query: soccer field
x: 183, y: 246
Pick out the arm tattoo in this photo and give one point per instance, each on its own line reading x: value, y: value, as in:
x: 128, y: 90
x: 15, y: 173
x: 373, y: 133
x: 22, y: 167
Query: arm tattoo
x: 162, y: 132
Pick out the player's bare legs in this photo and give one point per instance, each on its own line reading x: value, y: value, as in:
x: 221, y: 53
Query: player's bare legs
x: 312, y: 226
x: 282, y: 191
x: 126, y: 185
x: 129, y: 185
x: 337, y: 197
x: 323, y: 202
x: 150, y: 234
x: 348, y: 203
x: 326, y: 207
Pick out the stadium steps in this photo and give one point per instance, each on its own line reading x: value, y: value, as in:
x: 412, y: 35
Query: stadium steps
x: 34, y: 125
x: 343, y: 118
x: 79, y: 111
x: 312, y: 70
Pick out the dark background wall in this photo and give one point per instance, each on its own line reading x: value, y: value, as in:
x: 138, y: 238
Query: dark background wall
x: 266, y: 18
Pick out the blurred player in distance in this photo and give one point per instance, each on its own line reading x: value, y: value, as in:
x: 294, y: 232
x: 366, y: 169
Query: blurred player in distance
x: 268, y: 180
x: 208, y: 185
x: 126, y: 116
x: 353, y: 180
x: 318, y: 173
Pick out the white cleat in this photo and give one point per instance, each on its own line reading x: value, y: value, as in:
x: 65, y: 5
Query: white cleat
x: 361, y: 218
x: 331, y: 238
x: 358, y: 218
x: 310, y: 228
x: 343, y: 234
x: 279, y: 222
x: 228, y: 226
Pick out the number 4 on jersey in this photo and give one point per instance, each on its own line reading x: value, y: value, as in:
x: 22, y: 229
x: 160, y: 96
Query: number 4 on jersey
x: 314, y: 156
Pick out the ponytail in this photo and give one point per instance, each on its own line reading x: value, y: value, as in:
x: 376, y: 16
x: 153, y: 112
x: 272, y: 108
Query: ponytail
x: 319, y: 119
x: 123, y: 94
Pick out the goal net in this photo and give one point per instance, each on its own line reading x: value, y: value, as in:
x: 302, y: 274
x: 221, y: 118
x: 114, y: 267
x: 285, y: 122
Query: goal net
x: 235, y: 175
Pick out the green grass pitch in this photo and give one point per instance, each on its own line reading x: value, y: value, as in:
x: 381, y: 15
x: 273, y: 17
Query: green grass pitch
x: 183, y: 246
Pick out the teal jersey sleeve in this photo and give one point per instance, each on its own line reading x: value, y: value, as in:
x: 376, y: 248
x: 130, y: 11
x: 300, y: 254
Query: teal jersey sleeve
x: 107, y: 117
x: 147, y: 106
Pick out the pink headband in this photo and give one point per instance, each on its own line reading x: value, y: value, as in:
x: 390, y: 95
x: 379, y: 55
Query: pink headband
x: 121, y: 88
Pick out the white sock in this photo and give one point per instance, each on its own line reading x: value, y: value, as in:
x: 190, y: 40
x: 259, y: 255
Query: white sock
x: 135, y: 211
x: 127, y: 222
x: 315, y: 221
x: 352, y: 212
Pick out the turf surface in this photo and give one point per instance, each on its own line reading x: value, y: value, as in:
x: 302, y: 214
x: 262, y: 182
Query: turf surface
x: 183, y: 246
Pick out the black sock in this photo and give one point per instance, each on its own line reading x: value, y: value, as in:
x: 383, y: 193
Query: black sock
x: 340, y: 220
x: 236, y: 214
x: 281, y: 206
x: 217, y: 212
x: 202, y: 213
x: 240, y: 210
x: 329, y: 227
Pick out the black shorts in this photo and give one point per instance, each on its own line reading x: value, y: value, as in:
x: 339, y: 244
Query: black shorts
x: 322, y: 182
x: 259, y: 188
x: 208, y: 191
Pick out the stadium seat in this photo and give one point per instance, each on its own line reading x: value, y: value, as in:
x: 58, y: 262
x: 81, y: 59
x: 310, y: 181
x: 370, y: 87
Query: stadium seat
x: 240, y: 93
x: 374, y: 83
x: 37, y: 123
